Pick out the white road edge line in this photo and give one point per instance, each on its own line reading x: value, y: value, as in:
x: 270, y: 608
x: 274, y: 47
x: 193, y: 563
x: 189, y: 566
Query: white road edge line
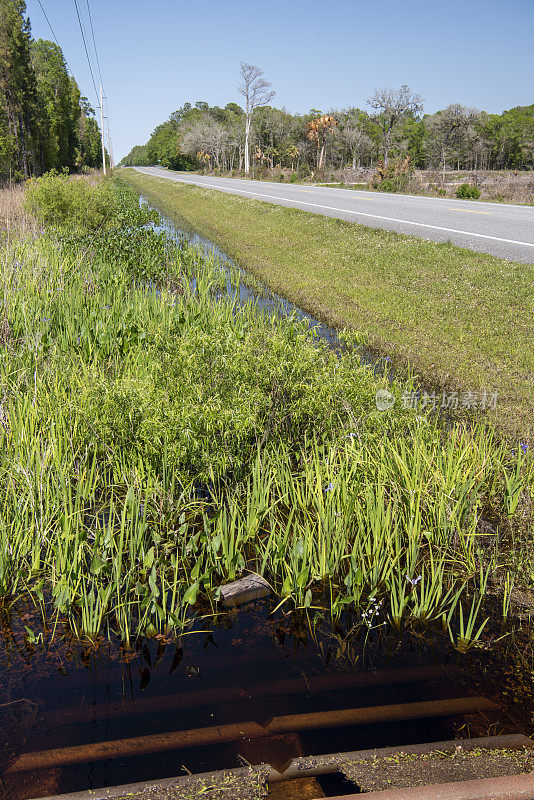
x: 348, y: 211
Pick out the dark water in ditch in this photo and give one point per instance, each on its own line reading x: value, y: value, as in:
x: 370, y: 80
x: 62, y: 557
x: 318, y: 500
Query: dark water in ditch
x: 63, y: 694
x: 243, y: 668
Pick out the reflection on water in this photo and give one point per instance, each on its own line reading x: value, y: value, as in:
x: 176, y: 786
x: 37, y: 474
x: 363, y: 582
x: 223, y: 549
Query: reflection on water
x: 61, y: 693
x: 57, y: 692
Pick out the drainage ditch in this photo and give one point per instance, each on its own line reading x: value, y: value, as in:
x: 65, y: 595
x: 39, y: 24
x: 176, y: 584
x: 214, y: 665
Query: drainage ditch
x: 257, y: 701
x: 249, y: 688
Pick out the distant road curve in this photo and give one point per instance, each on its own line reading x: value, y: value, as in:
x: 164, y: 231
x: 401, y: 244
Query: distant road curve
x: 503, y: 230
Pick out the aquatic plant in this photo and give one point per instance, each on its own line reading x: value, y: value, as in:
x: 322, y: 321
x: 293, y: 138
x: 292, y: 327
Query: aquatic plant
x: 157, y: 439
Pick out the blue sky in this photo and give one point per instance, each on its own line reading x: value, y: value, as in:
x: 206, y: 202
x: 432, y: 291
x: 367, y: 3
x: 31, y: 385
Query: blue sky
x: 157, y: 55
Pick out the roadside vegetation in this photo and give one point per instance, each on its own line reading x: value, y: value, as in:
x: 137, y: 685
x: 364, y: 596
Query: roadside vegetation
x: 488, y: 186
x: 391, y: 147
x: 462, y: 319
x: 45, y: 122
x: 211, y: 137
x: 157, y: 440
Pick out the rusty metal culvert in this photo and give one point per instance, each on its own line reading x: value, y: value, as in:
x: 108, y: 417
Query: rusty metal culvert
x: 238, y: 731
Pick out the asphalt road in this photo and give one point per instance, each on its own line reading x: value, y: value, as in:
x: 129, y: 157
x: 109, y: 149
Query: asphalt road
x: 506, y: 231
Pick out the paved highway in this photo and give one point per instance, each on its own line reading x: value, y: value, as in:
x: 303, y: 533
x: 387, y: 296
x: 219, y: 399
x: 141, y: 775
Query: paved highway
x: 506, y: 231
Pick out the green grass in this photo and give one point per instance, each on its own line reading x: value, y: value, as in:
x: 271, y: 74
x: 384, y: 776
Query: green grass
x: 157, y: 440
x: 463, y: 319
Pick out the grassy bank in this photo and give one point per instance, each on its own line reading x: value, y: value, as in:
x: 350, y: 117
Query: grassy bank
x: 156, y: 440
x: 463, y: 319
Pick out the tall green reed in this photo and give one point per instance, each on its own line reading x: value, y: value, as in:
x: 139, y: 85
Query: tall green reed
x: 157, y: 440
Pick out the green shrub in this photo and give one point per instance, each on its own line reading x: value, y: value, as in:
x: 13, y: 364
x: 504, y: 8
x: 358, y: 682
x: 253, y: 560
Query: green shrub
x: 294, y: 178
x: 395, y: 177
x: 155, y: 440
x: 467, y: 192
x: 395, y: 183
x: 57, y: 199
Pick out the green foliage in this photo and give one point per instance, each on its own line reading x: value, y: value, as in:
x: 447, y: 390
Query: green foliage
x: 44, y: 122
x: 397, y: 184
x: 467, y: 192
x: 57, y: 199
x: 138, y: 156
x: 89, y: 149
x: 60, y: 101
x: 163, y: 146
x: 510, y: 136
x: 393, y: 178
x: 20, y: 107
x: 156, y: 439
x: 454, y: 136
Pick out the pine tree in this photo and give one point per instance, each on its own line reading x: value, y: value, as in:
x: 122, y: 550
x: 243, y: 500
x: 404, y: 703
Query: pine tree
x: 60, y: 105
x: 44, y: 122
x: 19, y: 102
x: 89, y: 145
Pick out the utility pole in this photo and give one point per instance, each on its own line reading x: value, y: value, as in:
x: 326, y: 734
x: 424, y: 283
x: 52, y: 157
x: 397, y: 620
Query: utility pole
x: 110, y: 146
x: 102, y: 130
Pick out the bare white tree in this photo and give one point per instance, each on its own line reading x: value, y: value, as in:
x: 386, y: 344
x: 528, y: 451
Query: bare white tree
x: 392, y: 105
x: 357, y: 141
x: 257, y: 92
x: 208, y: 136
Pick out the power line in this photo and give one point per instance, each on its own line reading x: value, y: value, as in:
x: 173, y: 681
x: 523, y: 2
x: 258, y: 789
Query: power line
x: 85, y: 46
x: 102, y: 94
x: 90, y: 71
x: 94, y: 42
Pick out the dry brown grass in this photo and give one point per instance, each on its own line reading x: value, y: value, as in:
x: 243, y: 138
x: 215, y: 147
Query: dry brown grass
x: 15, y: 222
x: 501, y: 186
x: 90, y: 176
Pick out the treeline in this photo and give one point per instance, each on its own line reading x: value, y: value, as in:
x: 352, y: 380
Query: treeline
x: 395, y: 127
x: 45, y: 123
